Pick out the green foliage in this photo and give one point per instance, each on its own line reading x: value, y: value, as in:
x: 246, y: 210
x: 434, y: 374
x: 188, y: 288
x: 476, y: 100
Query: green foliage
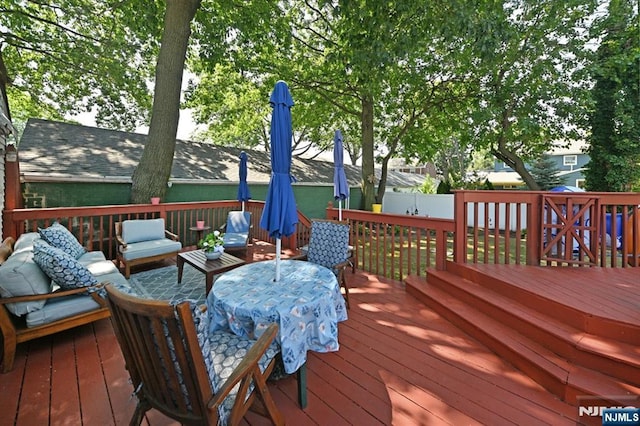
x: 429, y: 186
x: 79, y: 56
x: 487, y: 185
x: 527, y: 90
x: 615, y: 121
x: 211, y: 241
x: 444, y: 187
x: 546, y: 174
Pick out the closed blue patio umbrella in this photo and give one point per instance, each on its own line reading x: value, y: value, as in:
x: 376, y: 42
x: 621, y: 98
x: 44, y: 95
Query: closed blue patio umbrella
x: 340, y: 185
x: 280, y: 214
x: 243, y: 188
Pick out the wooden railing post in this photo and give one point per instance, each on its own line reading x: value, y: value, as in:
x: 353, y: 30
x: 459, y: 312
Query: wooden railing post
x: 534, y: 238
x: 460, y: 219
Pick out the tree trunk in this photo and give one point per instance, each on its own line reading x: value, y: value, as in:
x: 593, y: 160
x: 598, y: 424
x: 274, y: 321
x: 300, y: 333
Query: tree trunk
x: 382, y: 185
x: 154, y: 169
x: 515, y: 162
x: 368, y: 172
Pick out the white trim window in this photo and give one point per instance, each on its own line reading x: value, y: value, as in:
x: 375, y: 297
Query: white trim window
x: 570, y: 160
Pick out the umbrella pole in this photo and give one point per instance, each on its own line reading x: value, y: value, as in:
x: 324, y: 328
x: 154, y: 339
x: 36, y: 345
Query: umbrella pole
x: 278, y: 245
x: 340, y: 209
x: 243, y: 206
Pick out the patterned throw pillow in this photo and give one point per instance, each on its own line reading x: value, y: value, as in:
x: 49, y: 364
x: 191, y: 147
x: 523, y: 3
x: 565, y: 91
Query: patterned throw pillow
x: 60, y: 237
x: 328, y: 243
x: 63, y: 269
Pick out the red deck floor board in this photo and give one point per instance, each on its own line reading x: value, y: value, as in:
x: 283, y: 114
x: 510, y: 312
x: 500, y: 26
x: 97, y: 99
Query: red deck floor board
x: 399, y: 363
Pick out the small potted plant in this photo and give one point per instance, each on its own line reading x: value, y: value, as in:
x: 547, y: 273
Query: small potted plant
x: 212, y: 245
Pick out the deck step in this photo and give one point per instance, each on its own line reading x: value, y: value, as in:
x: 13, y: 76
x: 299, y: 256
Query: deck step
x: 580, y: 319
x: 564, y: 378
x: 603, y: 354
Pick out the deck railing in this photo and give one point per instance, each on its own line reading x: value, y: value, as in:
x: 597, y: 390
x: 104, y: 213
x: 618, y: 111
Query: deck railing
x: 395, y: 246
x: 548, y: 228
x: 94, y: 226
x: 520, y: 227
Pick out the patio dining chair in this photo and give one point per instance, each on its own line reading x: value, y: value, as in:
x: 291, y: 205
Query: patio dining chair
x: 329, y: 247
x: 189, y: 374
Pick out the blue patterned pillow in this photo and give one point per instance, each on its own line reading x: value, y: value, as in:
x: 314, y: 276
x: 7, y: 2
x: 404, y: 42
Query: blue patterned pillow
x: 63, y: 269
x: 328, y: 243
x: 60, y: 237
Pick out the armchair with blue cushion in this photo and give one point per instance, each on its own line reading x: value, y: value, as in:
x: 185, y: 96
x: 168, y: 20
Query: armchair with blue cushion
x: 143, y: 241
x: 190, y: 374
x: 237, y: 231
x: 329, y: 247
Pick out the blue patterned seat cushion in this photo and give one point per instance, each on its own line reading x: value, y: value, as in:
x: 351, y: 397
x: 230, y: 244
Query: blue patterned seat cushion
x: 63, y: 269
x: 226, y: 351
x: 60, y: 237
x: 328, y: 243
x: 222, y: 352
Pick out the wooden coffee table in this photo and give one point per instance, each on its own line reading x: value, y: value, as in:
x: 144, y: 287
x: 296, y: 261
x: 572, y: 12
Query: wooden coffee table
x: 197, y: 259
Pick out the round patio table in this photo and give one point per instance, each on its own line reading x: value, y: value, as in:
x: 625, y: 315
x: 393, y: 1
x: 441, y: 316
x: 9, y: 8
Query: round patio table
x: 306, y: 303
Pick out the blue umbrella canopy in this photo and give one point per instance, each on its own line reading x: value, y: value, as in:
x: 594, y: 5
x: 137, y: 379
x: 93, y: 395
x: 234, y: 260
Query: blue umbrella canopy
x: 243, y: 189
x: 340, y: 185
x: 280, y: 214
x: 566, y: 188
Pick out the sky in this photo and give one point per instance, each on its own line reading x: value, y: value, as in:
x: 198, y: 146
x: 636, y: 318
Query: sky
x: 186, y: 125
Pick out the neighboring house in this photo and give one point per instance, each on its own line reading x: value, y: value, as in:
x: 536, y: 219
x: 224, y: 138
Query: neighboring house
x: 570, y: 162
x: 399, y: 165
x: 64, y: 164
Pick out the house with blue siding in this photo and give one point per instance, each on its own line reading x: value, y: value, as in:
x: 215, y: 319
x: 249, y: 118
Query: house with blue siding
x: 569, y: 160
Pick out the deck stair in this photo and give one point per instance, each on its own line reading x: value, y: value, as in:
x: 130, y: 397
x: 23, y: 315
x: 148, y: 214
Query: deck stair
x: 546, y: 341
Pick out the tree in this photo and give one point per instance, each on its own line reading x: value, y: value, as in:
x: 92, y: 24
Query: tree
x: 382, y: 71
x: 545, y: 172
x: 154, y: 169
x: 615, y: 121
x: 52, y: 63
x: 529, y: 95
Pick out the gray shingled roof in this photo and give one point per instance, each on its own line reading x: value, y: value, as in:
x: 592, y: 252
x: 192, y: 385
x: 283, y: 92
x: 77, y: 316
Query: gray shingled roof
x: 63, y: 150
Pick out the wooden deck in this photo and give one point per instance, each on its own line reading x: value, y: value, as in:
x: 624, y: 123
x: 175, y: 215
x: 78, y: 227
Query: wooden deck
x: 399, y: 363
x: 575, y: 331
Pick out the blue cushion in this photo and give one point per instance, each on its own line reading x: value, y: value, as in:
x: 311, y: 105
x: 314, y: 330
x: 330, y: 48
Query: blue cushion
x: 91, y: 257
x: 21, y: 276
x: 238, y: 222
x: 225, y: 352
x: 150, y: 248
x: 25, y: 242
x: 136, y: 230
x: 328, y: 243
x: 232, y: 240
x: 62, y: 307
x: 60, y: 237
x: 63, y: 269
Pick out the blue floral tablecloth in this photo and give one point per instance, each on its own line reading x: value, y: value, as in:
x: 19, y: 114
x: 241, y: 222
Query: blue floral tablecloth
x: 306, y: 303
